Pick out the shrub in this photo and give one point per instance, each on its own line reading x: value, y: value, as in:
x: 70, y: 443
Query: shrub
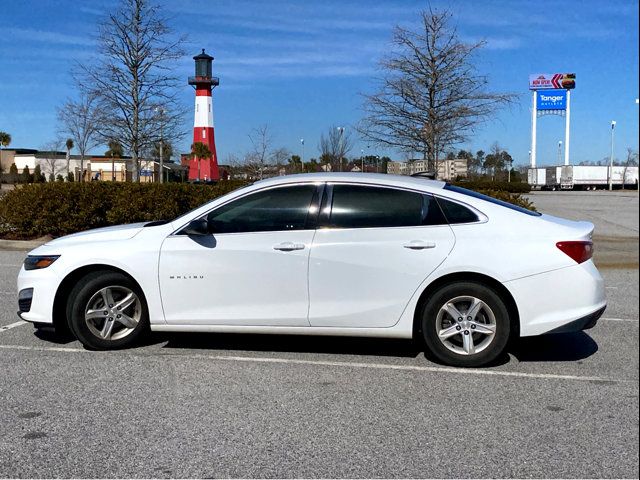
x: 38, y: 176
x: 514, y: 198
x: 26, y: 175
x: 477, y: 185
x: 70, y: 177
x: 61, y: 208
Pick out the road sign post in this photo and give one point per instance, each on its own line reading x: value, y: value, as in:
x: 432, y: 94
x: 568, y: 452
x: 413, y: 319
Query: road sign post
x: 567, y: 123
x: 551, y: 95
x: 534, y: 121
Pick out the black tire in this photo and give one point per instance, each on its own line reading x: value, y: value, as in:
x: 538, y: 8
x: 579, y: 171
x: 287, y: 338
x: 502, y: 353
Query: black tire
x: 498, y: 312
x: 86, y: 290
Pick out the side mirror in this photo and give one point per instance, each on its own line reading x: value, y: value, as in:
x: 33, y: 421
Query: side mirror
x: 199, y: 226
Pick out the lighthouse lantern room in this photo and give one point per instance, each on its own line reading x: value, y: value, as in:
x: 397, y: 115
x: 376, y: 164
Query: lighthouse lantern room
x: 204, y: 169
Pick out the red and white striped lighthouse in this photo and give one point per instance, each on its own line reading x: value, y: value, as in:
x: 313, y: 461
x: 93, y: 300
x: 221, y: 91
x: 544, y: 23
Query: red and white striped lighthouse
x: 204, y: 169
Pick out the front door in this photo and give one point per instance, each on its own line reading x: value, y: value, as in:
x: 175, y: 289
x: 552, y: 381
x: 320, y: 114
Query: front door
x: 252, y: 270
x: 377, y: 246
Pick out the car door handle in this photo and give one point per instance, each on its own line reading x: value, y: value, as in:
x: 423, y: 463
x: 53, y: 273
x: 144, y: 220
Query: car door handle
x: 419, y: 245
x: 288, y: 246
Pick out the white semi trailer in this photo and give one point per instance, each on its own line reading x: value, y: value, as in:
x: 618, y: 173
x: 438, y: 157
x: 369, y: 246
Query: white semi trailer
x: 582, y: 177
x: 587, y: 177
x: 545, y: 178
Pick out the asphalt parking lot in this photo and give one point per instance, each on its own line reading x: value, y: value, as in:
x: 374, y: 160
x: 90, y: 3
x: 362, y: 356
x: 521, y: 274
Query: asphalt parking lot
x: 270, y: 406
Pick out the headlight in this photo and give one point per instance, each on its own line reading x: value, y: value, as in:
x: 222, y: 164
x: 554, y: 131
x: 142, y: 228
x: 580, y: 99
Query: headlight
x: 36, y: 262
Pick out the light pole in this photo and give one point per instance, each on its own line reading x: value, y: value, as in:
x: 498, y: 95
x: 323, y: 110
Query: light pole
x: 613, y: 129
x: 362, y: 159
x: 160, y: 111
x: 559, y: 152
x: 302, y: 158
x: 377, y: 160
x: 341, y: 132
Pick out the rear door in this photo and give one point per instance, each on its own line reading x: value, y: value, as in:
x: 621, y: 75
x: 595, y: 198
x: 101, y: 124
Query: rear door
x: 376, y: 245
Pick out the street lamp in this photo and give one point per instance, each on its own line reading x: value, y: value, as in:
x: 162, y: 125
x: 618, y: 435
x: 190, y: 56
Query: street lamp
x: 377, y: 160
x: 559, y: 152
x: 302, y: 158
x: 613, y: 128
x: 341, y: 132
x: 362, y: 159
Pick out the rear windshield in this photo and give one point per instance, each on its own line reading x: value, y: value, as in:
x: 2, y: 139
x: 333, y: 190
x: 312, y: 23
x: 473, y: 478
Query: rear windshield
x: 486, y: 198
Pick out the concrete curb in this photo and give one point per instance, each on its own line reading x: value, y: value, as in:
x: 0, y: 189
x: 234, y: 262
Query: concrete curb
x: 23, y: 245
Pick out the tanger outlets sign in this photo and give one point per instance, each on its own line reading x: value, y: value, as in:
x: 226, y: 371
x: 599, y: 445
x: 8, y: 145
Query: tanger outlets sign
x: 552, y: 100
x: 552, y: 81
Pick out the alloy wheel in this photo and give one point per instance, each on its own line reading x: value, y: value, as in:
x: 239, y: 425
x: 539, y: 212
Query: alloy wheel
x: 466, y: 325
x: 113, y: 312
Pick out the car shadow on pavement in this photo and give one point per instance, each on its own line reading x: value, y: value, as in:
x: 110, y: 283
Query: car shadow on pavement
x: 564, y: 347
x: 290, y: 343
x: 559, y: 347
x: 52, y: 336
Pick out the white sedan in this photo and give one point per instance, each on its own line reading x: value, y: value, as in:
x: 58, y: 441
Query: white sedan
x: 326, y: 254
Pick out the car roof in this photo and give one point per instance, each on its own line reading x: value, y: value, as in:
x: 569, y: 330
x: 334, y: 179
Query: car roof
x: 355, y: 177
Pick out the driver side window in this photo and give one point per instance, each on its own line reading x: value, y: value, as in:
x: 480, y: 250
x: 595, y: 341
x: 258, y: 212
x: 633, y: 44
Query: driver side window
x: 276, y: 209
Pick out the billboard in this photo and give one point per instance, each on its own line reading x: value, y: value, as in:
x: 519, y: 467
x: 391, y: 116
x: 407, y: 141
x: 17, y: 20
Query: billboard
x: 551, y: 100
x: 552, y: 81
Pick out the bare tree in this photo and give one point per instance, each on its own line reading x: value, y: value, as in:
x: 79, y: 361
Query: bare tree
x: 253, y: 166
x: 81, y: 119
x: 261, y: 139
x: 52, y: 164
x: 280, y: 156
x: 335, y: 146
x: 431, y: 96
x: 133, y: 79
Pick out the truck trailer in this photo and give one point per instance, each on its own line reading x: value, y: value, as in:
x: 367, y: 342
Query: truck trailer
x: 582, y: 177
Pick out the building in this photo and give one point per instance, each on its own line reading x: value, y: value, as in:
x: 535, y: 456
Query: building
x: 447, y: 169
x: 94, y: 167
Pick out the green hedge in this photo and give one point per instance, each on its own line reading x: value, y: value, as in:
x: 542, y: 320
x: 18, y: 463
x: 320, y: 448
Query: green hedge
x: 57, y: 208
x: 487, y: 185
x: 514, y: 198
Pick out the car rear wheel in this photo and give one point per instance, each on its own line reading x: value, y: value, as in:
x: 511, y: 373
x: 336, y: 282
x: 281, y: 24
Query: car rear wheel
x: 107, y: 310
x: 466, y: 324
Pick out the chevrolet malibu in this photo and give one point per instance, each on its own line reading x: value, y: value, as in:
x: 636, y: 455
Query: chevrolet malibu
x: 326, y: 254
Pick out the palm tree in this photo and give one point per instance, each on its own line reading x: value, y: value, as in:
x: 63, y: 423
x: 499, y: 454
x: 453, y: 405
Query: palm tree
x: 115, y: 150
x: 69, y: 145
x: 5, y: 140
x: 199, y: 151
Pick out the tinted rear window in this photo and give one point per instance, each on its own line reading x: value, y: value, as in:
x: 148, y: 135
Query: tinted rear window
x: 357, y: 206
x: 457, y: 213
x: 486, y: 198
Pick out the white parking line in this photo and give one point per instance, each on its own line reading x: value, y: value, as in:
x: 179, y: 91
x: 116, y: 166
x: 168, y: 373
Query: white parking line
x: 12, y: 325
x: 620, y: 319
x: 325, y: 363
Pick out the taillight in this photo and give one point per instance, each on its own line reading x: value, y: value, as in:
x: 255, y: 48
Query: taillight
x: 580, y: 251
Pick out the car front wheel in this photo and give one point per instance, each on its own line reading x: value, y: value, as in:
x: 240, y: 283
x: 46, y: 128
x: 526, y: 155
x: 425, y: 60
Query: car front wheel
x: 466, y: 324
x: 107, y: 310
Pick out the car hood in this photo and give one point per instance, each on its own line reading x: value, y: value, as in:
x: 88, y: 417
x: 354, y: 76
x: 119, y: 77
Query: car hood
x: 117, y: 232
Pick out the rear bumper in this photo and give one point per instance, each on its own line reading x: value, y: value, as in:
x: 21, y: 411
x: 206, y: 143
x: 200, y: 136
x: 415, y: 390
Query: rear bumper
x: 584, y: 323
x: 567, y: 299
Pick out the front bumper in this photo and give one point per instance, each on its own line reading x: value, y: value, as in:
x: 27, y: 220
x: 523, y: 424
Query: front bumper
x: 44, y: 284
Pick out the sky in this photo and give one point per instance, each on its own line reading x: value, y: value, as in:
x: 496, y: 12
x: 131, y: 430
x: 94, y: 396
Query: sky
x: 302, y: 66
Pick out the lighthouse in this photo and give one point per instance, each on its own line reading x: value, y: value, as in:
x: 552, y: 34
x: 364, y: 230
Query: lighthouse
x: 204, y: 169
